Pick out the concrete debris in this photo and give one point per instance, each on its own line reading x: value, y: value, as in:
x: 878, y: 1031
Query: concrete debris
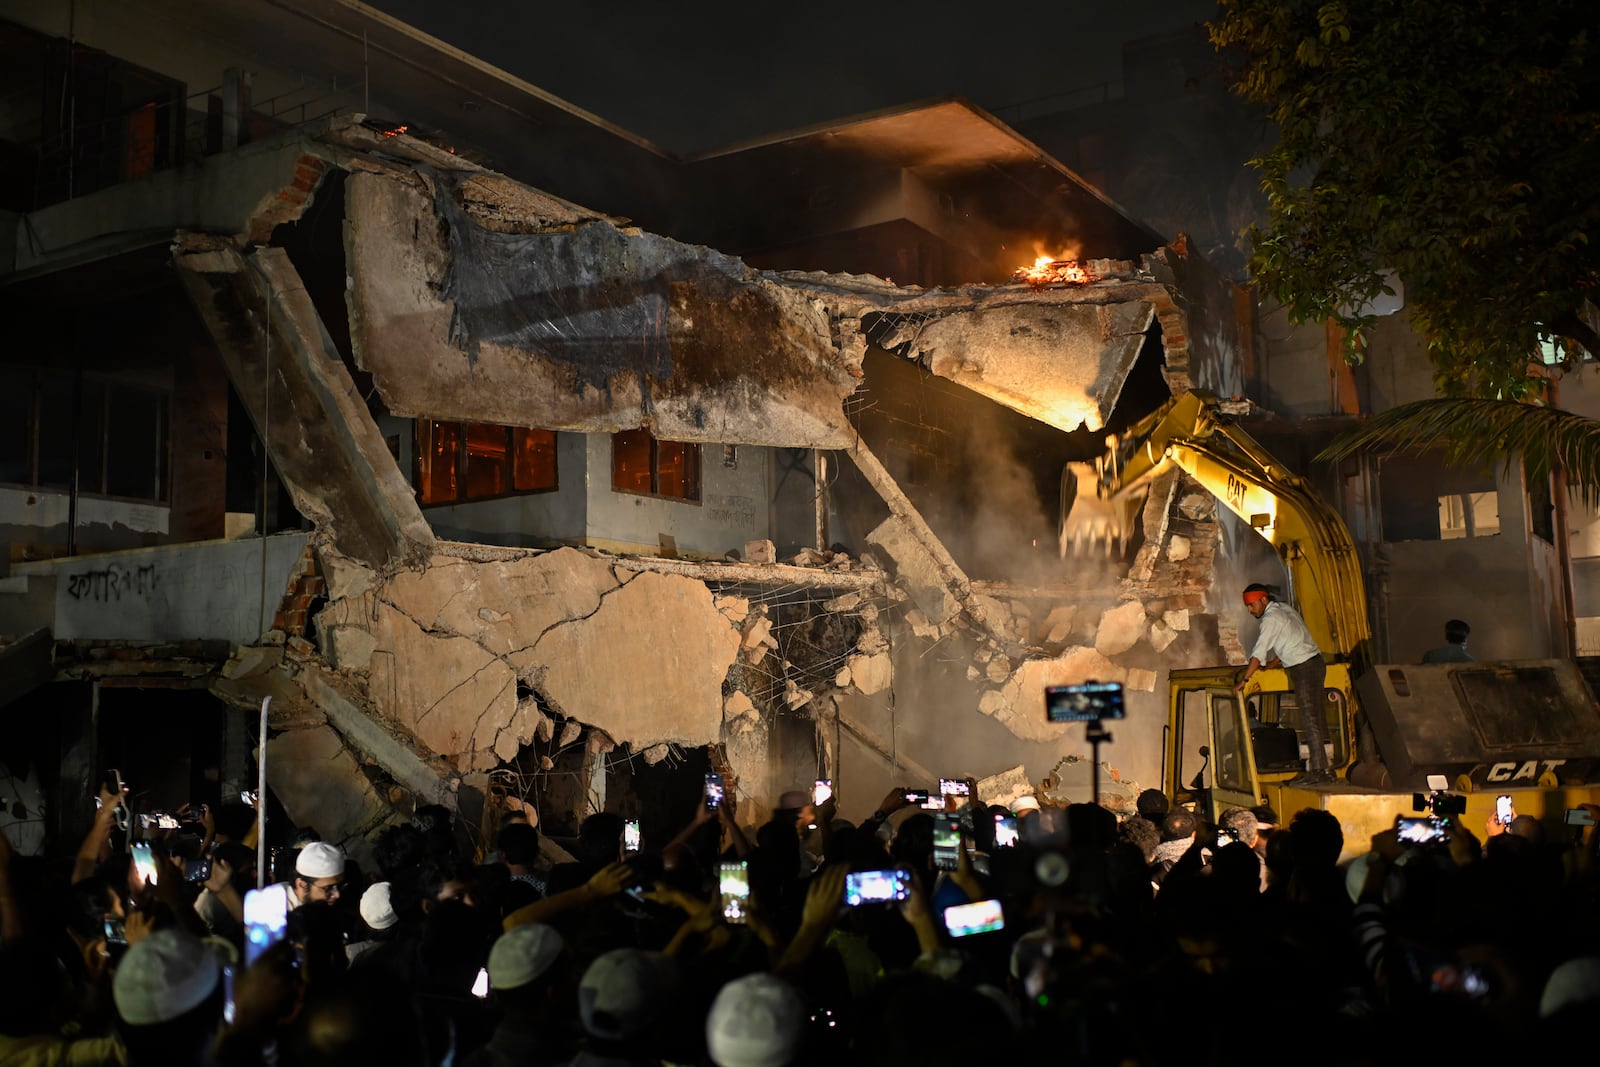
x: 1178, y: 548
x: 810, y: 557
x: 762, y: 551
x: 570, y: 732
x: 869, y: 613
x: 841, y: 604
x: 1177, y: 619
x: 248, y: 661
x: 1158, y: 505
x: 920, y: 627
x: 320, y: 784
x: 795, y: 698
x: 349, y: 648
x: 758, y: 633
x: 655, y: 754
x: 734, y: 608
x: 871, y: 642
x: 871, y: 673
x: 1120, y: 629
x: 1005, y: 787
x: 843, y: 678
x: 998, y: 670
x: 1197, y: 507
x: 1139, y: 679
x: 744, y: 745
x: 671, y: 690
x: 737, y: 705
x: 1018, y: 705
x: 1058, y: 624
x: 1072, y: 781
x: 973, y: 673
x: 546, y: 763
x: 1161, y: 636
x: 915, y: 571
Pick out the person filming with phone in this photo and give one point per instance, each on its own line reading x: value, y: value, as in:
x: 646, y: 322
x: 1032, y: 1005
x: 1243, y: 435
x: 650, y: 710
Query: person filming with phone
x: 1285, y: 639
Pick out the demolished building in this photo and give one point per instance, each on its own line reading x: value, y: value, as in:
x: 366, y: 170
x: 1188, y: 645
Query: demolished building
x: 828, y: 543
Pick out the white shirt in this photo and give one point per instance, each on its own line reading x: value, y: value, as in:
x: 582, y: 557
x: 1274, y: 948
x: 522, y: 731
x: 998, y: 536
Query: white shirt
x: 1284, y: 634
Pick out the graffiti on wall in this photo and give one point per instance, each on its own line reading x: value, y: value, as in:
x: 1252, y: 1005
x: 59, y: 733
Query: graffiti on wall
x: 113, y: 583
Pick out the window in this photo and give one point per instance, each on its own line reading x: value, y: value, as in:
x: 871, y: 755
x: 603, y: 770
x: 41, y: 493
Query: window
x: 1421, y: 498
x: 642, y: 464
x: 121, y: 435
x: 480, y: 461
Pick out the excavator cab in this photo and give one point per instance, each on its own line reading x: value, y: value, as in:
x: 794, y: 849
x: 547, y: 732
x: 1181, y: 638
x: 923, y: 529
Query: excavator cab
x: 1219, y: 751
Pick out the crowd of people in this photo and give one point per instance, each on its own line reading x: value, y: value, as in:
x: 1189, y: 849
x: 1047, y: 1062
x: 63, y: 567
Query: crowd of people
x: 1155, y: 938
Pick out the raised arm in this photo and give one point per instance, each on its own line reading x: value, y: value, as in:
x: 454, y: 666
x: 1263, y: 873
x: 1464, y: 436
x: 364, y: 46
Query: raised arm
x: 93, y: 849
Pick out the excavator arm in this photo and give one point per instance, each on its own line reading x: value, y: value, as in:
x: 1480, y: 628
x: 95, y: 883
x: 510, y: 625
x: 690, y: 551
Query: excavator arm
x: 1192, y: 433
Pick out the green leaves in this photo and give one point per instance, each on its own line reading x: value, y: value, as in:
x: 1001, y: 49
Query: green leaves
x: 1457, y: 144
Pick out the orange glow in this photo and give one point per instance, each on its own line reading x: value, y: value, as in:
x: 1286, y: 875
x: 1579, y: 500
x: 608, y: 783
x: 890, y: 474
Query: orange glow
x: 396, y: 132
x: 1051, y: 270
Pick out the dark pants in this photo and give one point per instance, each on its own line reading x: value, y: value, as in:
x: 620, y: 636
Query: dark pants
x: 1308, y: 678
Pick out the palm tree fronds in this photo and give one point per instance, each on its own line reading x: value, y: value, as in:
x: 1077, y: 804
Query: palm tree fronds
x: 1469, y: 430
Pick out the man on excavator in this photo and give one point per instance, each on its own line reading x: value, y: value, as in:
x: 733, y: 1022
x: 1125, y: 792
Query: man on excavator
x: 1284, y: 638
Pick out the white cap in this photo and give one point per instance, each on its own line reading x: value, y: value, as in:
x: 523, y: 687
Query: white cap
x: 1022, y: 804
x: 162, y: 976
x: 320, y: 860
x: 755, y: 1022
x: 376, y: 909
x: 523, y: 954
x: 622, y: 992
x: 1574, y: 982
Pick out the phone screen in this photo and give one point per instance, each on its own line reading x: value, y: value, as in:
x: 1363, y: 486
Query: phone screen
x: 953, y: 787
x: 1503, y: 810
x: 713, y: 791
x: 1420, y: 830
x: 946, y: 842
x: 197, y: 871
x: 266, y: 916
x: 480, y: 984
x: 1087, y: 702
x: 144, y: 863
x: 876, y: 887
x: 1005, y: 831
x: 735, y: 885
x: 979, y: 917
x: 822, y: 791
x: 630, y: 835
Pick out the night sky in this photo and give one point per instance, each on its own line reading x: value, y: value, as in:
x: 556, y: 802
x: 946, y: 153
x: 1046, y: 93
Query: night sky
x: 710, y: 73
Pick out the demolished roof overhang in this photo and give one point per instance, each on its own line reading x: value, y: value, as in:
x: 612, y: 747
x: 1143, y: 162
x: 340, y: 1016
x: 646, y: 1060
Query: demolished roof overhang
x: 475, y: 298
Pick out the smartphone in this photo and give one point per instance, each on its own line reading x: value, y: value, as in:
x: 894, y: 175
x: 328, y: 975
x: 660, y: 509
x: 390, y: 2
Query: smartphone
x: 1088, y: 702
x: 1579, y: 817
x: 954, y: 787
x: 197, y: 871
x: 1421, y: 829
x: 114, y: 782
x: 159, y: 820
x: 822, y: 791
x: 713, y: 791
x: 116, y: 934
x: 266, y: 917
x: 1503, y: 810
x: 144, y: 862
x: 734, y: 882
x: 946, y: 841
x: 248, y: 797
x: 876, y: 887
x: 917, y: 796
x: 979, y: 917
x: 480, y: 984
x: 1005, y: 831
x: 630, y: 835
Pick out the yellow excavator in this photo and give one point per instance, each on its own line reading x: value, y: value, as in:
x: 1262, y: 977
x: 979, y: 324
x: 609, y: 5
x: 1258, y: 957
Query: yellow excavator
x: 1399, y: 732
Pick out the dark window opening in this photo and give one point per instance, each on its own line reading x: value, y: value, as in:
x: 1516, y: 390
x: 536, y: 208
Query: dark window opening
x: 1421, y: 498
x: 481, y: 461
x: 115, y: 436
x: 642, y: 464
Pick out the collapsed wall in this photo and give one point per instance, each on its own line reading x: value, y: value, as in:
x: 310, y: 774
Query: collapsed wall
x: 436, y: 668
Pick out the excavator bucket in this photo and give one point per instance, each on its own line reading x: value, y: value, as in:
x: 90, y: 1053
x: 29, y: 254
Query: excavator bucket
x: 1093, y: 525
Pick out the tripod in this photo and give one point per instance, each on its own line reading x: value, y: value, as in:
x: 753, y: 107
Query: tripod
x: 1094, y: 731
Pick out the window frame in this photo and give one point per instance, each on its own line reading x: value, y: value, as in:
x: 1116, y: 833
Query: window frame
x: 109, y: 387
x: 462, y: 459
x: 691, y: 449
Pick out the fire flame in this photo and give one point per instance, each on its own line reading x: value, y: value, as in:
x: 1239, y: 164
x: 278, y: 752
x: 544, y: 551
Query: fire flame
x: 1048, y: 270
x: 396, y: 132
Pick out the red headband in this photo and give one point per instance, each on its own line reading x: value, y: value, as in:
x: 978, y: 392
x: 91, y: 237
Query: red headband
x: 1254, y: 596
